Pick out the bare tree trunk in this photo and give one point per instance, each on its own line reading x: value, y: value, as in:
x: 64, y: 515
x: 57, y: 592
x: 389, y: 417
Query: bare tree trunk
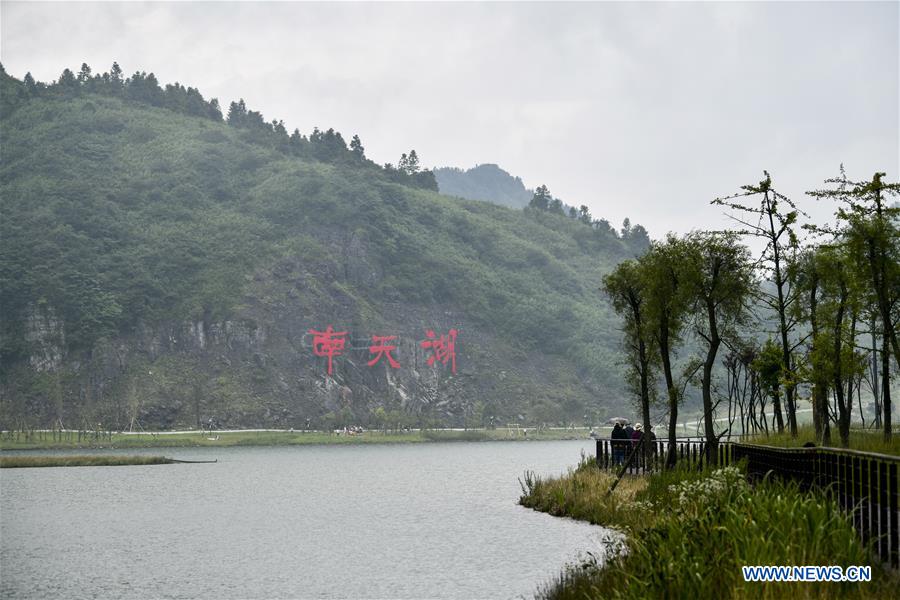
x: 708, y: 364
x: 886, y: 389
x: 873, y: 371
x: 776, y: 409
x: 671, y: 392
x: 837, y: 374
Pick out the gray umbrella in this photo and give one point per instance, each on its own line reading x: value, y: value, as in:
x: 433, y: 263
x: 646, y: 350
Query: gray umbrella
x: 615, y: 420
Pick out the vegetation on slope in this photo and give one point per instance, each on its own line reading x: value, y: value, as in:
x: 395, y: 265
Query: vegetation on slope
x: 124, y: 209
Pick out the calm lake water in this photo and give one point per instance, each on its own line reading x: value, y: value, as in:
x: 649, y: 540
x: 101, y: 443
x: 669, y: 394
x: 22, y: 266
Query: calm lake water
x: 376, y: 521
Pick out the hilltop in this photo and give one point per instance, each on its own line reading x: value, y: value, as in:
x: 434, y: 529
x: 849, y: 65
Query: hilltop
x: 483, y: 182
x: 162, y: 266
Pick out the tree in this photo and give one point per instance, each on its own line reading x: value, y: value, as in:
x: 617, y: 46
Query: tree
x: 214, y: 111
x: 237, y: 113
x: 768, y: 222
x: 870, y: 229
x: 84, y: 75
x: 115, y: 73
x: 409, y: 164
x: 627, y: 290
x: 556, y: 207
x: 809, y: 284
x: 639, y: 239
x: 768, y: 366
x: 412, y: 165
x: 833, y: 357
x: 584, y: 215
x: 717, y: 275
x: 30, y: 84
x: 67, y: 82
x: 356, y: 148
x: 541, y: 198
x: 666, y: 310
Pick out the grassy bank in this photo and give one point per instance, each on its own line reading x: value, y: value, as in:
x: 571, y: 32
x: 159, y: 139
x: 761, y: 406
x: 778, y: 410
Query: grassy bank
x: 865, y: 441
x: 17, y: 462
x: 689, y: 533
x: 49, y: 441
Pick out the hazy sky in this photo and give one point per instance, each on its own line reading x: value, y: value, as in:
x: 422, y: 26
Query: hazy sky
x: 646, y: 110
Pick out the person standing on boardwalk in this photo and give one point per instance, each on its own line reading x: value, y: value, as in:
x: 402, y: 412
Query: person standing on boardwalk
x: 637, y: 434
x: 618, y: 444
x: 636, y: 437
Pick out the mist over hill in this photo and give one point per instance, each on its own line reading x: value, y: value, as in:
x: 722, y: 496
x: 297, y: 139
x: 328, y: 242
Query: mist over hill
x: 486, y: 182
x: 160, y: 266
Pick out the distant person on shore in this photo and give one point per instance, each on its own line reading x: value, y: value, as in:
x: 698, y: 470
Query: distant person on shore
x: 619, y: 438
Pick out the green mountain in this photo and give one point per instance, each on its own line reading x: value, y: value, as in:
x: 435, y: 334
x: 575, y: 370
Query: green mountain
x: 159, y: 267
x: 483, y: 182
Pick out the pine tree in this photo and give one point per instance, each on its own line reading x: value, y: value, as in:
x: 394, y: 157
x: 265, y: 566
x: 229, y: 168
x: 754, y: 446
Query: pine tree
x: 357, y: 148
x: 584, y: 215
x: 29, y: 82
x: 541, y: 198
x: 67, y: 81
x: 84, y: 75
x: 237, y: 113
x: 412, y: 166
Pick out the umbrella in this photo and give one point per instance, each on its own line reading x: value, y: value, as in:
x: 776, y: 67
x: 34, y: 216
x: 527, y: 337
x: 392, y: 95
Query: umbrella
x: 615, y: 420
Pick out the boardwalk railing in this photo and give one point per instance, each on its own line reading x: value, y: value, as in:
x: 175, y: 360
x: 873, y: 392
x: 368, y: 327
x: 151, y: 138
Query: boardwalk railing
x: 865, y: 485
x: 611, y: 454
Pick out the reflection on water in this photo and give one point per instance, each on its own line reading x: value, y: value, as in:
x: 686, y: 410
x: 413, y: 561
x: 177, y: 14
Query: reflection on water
x: 385, y: 521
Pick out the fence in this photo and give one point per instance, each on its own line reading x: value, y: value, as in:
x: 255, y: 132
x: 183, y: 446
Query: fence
x: 865, y: 485
x: 612, y: 454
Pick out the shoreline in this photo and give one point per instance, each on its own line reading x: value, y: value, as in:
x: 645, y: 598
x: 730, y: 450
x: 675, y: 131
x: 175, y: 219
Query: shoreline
x: 30, y: 462
x: 47, y: 440
x: 689, y: 532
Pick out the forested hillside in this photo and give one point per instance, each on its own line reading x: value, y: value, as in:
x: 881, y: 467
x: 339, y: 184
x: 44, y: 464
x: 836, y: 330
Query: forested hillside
x: 160, y: 266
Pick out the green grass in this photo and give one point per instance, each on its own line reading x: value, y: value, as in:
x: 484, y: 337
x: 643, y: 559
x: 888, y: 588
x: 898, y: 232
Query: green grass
x: 17, y: 462
x: 582, y: 495
x: 689, y: 533
x: 36, y: 441
x: 865, y: 441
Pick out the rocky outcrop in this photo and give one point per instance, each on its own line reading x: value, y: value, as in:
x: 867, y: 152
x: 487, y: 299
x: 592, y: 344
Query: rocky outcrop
x: 258, y: 367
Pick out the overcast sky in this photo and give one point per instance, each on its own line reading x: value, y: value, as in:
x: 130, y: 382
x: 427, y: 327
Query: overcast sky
x: 645, y: 110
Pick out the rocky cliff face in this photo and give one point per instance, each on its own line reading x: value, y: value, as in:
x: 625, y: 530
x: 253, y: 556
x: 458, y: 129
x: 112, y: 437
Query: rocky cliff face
x: 259, y: 367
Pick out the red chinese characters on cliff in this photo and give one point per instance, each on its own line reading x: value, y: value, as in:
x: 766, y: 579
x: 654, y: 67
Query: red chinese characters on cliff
x: 330, y: 343
x: 443, y: 348
x: 380, y: 349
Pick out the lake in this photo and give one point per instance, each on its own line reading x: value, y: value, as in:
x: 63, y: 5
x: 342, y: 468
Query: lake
x: 428, y: 520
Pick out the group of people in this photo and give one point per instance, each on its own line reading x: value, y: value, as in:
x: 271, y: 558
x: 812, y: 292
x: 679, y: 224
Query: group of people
x: 625, y: 438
